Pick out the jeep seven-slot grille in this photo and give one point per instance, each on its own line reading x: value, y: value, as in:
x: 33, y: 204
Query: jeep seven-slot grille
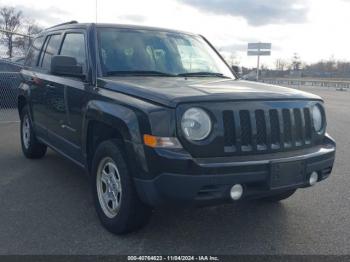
x: 271, y: 129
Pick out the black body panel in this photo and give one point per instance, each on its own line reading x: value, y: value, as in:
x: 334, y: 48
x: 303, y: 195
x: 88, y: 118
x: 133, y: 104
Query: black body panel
x: 171, y: 91
x: 189, y: 181
x: 253, y: 124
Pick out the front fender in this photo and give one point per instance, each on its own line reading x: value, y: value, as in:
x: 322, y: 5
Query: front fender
x: 123, y: 119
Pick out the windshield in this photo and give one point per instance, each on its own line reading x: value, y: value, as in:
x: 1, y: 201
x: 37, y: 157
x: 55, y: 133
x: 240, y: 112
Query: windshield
x: 148, y: 52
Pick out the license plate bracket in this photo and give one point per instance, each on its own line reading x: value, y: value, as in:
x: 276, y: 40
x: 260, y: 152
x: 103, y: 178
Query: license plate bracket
x: 287, y: 174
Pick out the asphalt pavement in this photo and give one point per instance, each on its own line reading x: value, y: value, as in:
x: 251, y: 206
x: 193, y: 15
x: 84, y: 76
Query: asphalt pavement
x: 46, y: 208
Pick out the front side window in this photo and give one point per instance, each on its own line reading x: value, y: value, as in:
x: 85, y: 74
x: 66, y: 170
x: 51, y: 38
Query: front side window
x: 74, y: 46
x: 51, y: 50
x: 128, y: 51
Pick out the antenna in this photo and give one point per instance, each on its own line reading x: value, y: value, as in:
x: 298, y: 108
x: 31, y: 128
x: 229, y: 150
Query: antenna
x: 96, y: 51
x: 96, y: 11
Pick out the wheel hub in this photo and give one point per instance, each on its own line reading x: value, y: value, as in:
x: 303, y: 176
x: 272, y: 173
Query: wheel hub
x: 26, y: 131
x: 109, y: 187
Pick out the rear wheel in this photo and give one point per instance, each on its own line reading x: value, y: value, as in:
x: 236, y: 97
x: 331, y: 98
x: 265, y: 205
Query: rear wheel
x: 279, y: 196
x: 117, y: 203
x: 31, y: 147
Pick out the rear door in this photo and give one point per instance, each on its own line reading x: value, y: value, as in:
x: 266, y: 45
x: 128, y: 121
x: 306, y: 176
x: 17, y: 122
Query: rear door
x: 36, y: 87
x: 44, y: 82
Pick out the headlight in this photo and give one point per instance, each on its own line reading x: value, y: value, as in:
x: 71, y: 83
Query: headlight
x: 317, y: 118
x: 195, y: 124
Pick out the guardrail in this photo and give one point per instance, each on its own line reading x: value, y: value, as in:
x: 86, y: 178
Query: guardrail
x: 342, y: 84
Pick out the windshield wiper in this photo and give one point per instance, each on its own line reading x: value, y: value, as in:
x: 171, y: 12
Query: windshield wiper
x: 159, y: 73
x: 202, y: 74
x: 138, y: 73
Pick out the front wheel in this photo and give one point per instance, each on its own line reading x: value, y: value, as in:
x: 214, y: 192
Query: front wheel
x: 117, y: 203
x: 31, y: 147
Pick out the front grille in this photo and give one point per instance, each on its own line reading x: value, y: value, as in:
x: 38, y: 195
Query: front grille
x: 266, y: 129
x: 275, y: 129
x: 298, y: 127
x: 261, y: 135
x: 246, y: 130
x: 287, y: 126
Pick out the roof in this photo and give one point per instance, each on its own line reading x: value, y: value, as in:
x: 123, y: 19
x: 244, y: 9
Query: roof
x: 73, y: 25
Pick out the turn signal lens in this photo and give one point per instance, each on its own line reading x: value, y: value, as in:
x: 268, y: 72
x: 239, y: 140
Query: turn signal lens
x: 165, y: 142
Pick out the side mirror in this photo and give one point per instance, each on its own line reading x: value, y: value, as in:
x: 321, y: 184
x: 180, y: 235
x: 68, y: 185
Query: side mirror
x: 65, y: 65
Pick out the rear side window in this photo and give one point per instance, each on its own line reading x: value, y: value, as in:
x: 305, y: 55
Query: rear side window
x: 51, y: 49
x: 34, y: 51
x: 74, y: 45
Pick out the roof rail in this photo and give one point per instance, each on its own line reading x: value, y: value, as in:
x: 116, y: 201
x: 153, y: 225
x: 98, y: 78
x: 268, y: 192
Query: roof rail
x: 66, y: 23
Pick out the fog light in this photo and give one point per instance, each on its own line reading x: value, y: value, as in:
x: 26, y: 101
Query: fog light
x: 236, y: 192
x: 313, y: 178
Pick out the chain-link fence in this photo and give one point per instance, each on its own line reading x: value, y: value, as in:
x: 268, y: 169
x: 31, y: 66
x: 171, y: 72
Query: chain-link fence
x: 13, y: 47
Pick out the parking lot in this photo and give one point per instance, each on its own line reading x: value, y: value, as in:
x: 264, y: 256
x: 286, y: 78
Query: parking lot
x: 46, y: 208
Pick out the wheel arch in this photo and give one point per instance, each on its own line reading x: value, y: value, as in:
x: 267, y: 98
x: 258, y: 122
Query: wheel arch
x: 104, y: 121
x: 22, y: 97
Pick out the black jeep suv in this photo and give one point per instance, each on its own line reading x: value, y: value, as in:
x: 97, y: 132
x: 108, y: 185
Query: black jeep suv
x: 157, y: 117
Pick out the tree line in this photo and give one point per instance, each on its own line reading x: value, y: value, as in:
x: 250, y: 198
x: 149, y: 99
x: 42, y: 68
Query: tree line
x: 323, y: 68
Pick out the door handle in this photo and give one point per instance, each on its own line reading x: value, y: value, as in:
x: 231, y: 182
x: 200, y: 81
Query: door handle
x: 50, y: 86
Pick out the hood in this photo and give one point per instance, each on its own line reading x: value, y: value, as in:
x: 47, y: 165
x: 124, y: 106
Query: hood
x: 170, y: 91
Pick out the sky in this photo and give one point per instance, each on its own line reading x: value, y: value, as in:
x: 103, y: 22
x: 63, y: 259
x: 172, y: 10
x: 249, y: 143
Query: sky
x: 314, y: 29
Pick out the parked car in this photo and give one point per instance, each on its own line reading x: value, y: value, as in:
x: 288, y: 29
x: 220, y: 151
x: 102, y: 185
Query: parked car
x: 18, y: 60
x: 10, y: 79
x: 124, y: 103
x: 251, y: 76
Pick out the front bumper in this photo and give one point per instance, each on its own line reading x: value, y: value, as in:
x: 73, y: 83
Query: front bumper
x: 208, y: 181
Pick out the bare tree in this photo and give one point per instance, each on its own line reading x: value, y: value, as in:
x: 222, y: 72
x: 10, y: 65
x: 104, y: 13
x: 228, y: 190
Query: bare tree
x: 296, y: 62
x: 233, y: 60
x: 10, y: 21
x: 281, y: 64
x: 30, y: 28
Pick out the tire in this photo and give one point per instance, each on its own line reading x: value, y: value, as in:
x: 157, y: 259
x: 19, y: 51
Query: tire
x: 116, y: 201
x: 280, y: 196
x: 31, y: 147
